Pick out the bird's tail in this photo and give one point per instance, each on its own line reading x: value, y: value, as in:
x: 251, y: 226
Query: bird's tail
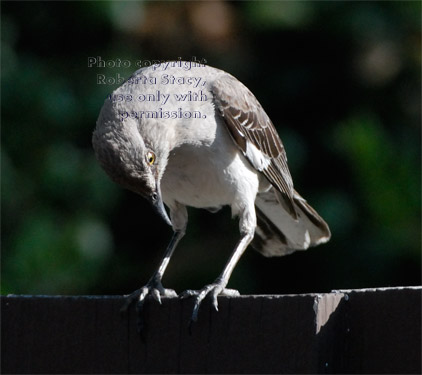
x: 278, y: 233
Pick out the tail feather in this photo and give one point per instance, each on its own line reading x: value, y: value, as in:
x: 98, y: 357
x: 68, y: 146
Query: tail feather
x: 278, y: 233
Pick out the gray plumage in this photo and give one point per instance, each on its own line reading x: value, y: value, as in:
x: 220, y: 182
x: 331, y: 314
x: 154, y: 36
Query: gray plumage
x: 218, y: 148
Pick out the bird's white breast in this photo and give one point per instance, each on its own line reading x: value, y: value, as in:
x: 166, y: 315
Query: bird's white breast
x: 210, y: 174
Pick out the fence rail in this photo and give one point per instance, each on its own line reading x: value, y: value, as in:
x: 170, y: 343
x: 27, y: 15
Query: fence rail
x: 353, y: 331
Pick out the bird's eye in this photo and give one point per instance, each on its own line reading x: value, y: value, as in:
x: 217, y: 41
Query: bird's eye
x: 150, y: 158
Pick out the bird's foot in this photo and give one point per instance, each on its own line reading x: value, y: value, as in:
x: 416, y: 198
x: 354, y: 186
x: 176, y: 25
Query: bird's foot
x: 215, y: 289
x: 153, y: 288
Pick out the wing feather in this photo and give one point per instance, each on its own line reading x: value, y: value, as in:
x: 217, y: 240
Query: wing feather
x: 247, y: 121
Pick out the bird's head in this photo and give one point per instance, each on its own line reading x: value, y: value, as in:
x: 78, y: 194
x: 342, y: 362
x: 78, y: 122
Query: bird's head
x: 134, y: 161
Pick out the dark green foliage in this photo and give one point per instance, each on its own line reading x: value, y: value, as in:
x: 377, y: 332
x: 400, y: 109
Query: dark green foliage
x: 340, y: 80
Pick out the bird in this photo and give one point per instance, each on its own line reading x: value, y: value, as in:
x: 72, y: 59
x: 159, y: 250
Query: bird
x: 197, y: 137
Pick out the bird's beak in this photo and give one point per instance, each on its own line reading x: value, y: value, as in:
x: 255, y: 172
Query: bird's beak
x: 157, y: 202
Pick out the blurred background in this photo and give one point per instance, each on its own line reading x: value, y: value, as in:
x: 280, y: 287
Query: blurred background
x: 340, y: 80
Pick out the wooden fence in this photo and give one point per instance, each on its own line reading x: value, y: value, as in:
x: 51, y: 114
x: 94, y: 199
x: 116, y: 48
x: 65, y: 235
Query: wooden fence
x: 354, y: 331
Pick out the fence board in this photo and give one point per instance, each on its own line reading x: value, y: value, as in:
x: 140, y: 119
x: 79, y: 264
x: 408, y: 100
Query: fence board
x: 354, y: 331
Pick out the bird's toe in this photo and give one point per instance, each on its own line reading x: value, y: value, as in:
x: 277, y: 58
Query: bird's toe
x: 215, y: 301
x: 168, y: 293
x: 155, y: 289
x: 188, y: 293
x: 229, y: 293
x: 214, y: 290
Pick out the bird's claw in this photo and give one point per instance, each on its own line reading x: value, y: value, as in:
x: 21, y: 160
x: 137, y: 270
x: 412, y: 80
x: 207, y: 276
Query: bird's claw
x: 216, y: 289
x: 153, y: 288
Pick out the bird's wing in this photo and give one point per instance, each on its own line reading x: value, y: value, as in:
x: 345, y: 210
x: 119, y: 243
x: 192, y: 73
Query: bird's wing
x: 254, y: 134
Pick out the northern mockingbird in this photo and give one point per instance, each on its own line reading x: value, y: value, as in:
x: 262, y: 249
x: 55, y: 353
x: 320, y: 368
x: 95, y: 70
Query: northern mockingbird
x: 200, y: 138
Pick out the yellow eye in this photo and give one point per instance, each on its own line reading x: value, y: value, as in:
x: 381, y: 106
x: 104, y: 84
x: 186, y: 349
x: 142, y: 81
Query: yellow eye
x: 150, y: 158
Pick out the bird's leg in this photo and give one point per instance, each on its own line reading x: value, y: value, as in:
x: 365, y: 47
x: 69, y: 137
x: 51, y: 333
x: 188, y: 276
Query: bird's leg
x: 179, y: 219
x: 247, y: 225
x: 154, y: 286
x: 218, y: 287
